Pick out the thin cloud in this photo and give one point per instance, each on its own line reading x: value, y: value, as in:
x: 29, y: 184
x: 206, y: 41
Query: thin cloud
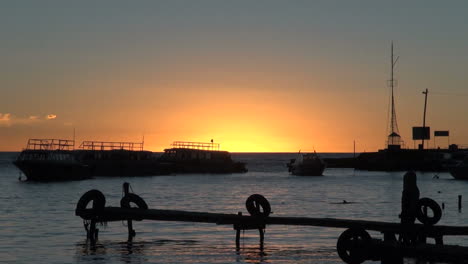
x: 51, y: 116
x: 8, y: 120
x: 5, y: 119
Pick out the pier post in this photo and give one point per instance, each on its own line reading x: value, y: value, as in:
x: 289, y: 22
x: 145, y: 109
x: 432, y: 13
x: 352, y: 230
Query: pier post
x: 392, y: 256
x: 459, y: 202
x: 262, y: 237
x: 131, y: 231
x: 238, y: 233
x: 439, y: 240
x: 92, y: 233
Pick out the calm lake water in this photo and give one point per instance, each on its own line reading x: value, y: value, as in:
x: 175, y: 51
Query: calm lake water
x: 38, y: 225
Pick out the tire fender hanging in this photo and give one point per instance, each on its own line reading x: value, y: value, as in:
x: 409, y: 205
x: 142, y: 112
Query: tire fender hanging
x: 133, y: 198
x: 258, y: 205
x: 99, y: 201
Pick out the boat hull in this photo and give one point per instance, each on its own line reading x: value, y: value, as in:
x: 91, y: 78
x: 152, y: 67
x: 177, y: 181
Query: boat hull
x: 308, y: 170
x: 307, y: 165
x: 53, y: 171
x: 197, y: 166
x: 128, y: 168
x: 186, y: 160
x: 459, y: 173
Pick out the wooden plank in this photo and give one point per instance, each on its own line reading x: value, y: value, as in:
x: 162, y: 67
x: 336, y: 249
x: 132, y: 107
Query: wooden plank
x: 118, y: 214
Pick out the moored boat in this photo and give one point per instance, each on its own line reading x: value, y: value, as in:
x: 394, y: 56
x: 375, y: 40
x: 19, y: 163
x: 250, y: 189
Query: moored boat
x: 198, y: 157
x: 58, y: 160
x: 307, y: 164
x: 51, y: 160
x: 120, y: 159
x: 459, y: 171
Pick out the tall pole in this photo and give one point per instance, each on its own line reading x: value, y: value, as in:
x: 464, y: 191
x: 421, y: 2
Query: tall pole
x: 391, y: 85
x: 424, y: 116
x: 74, y: 135
x: 354, y: 148
x: 393, y: 124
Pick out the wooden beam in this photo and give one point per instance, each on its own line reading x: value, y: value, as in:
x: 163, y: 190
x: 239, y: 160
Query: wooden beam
x: 118, y: 214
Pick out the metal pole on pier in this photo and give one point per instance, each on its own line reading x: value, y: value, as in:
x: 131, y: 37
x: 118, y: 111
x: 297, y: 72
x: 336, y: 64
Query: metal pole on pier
x: 354, y: 149
x: 424, y: 116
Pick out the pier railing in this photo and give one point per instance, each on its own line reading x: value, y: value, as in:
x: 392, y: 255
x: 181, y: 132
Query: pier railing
x: 50, y: 144
x: 104, y: 145
x: 195, y: 145
x: 354, y: 246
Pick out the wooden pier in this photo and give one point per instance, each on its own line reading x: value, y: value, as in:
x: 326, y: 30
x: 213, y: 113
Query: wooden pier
x: 354, y: 246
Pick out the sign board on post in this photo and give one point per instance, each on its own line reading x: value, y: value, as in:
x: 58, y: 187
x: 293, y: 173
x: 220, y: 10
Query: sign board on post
x: 441, y: 133
x: 421, y: 133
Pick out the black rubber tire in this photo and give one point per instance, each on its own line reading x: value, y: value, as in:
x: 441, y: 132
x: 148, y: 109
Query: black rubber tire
x: 434, y: 206
x: 352, y: 245
x: 255, y: 203
x: 133, y: 198
x: 99, y: 201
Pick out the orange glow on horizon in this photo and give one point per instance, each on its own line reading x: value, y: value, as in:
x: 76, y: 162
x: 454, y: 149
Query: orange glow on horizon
x: 239, y: 119
x: 252, y: 121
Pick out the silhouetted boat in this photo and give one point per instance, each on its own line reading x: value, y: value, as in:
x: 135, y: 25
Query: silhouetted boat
x: 459, y: 171
x: 57, y: 160
x: 308, y: 164
x: 120, y: 159
x: 51, y: 160
x: 198, y: 157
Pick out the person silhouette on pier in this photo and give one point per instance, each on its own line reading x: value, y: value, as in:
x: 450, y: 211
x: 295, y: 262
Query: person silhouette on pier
x: 409, y: 208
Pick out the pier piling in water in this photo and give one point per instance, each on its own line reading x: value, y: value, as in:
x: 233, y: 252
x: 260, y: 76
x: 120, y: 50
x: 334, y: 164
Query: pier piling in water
x: 459, y: 202
x: 238, y: 233
x: 131, y: 231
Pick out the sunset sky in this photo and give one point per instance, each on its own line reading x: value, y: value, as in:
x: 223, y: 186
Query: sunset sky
x: 254, y: 76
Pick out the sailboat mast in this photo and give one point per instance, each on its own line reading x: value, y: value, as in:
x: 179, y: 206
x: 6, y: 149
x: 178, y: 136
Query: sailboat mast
x: 394, y: 139
x: 391, y: 85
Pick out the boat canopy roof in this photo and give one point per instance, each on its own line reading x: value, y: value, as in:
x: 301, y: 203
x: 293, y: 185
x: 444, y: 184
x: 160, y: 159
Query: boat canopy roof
x: 104, y: 145
x: 50, y: 144
x: 195, y: 145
